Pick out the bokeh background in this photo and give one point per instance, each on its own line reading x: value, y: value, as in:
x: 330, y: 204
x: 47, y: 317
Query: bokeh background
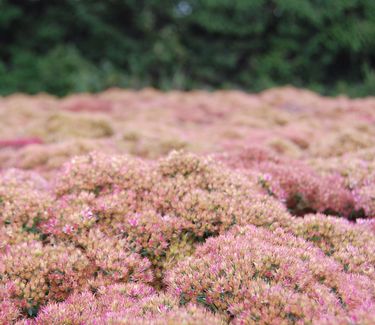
x: 61, y: 47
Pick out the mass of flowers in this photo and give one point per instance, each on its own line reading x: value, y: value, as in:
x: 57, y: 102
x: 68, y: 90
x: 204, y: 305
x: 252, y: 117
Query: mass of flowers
x: 143, y: 207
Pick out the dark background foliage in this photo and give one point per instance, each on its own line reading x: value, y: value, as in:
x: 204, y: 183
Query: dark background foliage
x: 63, y: 46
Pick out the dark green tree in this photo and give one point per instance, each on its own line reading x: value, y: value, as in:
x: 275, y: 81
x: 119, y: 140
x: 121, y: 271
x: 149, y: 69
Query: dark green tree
x: 85, y: 45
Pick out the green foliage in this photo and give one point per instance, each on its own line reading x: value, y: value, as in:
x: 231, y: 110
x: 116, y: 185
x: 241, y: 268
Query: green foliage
x: 33, y: 310
x: 72, y: 46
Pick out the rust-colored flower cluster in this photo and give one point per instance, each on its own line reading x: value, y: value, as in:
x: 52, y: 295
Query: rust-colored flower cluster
x: 174, y: 208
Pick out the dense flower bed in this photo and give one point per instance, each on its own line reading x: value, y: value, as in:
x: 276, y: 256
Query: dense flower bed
x: 187, y: 208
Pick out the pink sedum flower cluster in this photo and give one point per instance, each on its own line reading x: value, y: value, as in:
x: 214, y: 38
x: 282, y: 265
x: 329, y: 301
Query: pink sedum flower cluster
x: 251, y: 275
x: 153, y: 208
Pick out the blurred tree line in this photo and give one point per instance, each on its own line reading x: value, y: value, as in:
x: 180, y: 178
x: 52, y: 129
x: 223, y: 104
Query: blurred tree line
x: 63, y: 46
